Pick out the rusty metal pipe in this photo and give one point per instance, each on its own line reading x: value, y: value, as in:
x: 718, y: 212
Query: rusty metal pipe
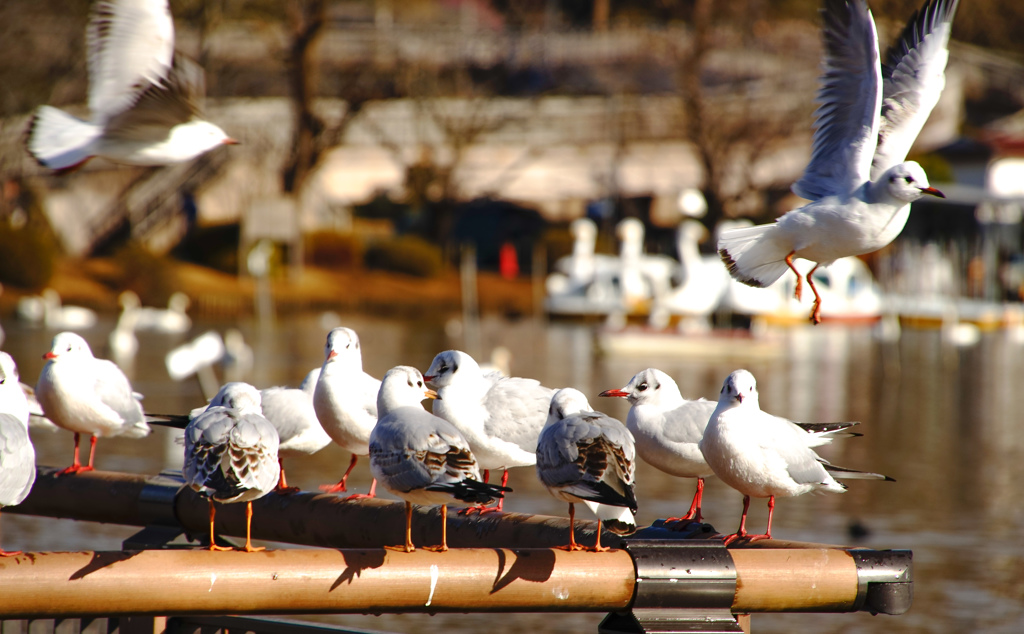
x: 308, y: 581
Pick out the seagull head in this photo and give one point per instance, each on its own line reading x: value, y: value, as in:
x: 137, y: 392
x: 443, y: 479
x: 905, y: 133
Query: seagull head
x: 342, y: 347
x: 449, y: 366
x: 196, y: 137
x: 648, y: 387
x: 739, y: 388
x: 566, y: 402
x: 238, y: 395
x: 402, y: 386
x: 68, y: 344
x: 907, y: 182
x: 8, y: 370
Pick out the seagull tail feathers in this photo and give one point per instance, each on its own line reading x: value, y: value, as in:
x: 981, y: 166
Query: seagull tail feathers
x: 825, y: 433
x: 853, y: 474
x: 618, y: 519
x: 753, y: 255
x: 137, y: 429
x: 472, y: 491
x: 58, y: 140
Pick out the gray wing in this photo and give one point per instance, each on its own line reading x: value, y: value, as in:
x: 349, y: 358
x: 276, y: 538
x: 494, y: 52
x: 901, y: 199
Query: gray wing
x: 114, y: 390
x: 686, y: 423
x: 518, y: 409
x: 847, y: 119
x: 161, y: 106
x: 590, y: 455
x: 130, y: 45
x: 17, y: 461
x: 912, y: 81
x: 228, y: 454
x: 289, y: 410
x: 412, y: 449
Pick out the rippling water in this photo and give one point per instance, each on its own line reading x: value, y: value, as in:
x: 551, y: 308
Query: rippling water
x: 946, y: 423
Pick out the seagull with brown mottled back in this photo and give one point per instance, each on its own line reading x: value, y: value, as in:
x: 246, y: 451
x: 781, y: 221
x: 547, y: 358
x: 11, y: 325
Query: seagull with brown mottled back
x: 143, y: 98
x: 589, y: 457
x: 422, y: 458
x: 859, y: 186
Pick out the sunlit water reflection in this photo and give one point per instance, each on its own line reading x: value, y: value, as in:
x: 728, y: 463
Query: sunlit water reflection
x: 946, y: 423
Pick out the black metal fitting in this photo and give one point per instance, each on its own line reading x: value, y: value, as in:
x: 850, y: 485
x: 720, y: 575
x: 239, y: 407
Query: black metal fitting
x: 885, y: 580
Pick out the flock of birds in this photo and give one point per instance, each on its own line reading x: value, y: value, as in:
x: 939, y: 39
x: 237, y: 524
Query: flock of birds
x: 481, y: 421
x: 143, y: 99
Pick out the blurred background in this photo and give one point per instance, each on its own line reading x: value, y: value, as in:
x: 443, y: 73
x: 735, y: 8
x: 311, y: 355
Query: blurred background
x: 547, y: 177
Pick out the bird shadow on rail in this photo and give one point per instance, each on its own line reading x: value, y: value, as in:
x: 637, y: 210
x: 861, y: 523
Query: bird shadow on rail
x: 529, y: 565
x: 356, y: 561
x: 101, y: 560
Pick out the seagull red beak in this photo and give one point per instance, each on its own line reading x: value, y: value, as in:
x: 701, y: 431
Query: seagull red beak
x: 932, y: 191
x: 332, y: 355
x: 739, y: 397
x: 230, y: 141
x: 429, y: 378
x: 618, y: 393
x: 50, y: 355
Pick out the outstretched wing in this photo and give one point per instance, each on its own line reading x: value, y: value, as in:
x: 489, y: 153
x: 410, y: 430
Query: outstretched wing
x: 130, y: 46
x: 847, y: 119
x: 912, y: 81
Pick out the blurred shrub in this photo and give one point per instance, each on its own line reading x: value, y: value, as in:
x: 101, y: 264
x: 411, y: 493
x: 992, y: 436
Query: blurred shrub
x: 27, y: 256
x: 152, y: 277
x: 405, y: 254
x: 331, y: 249
x: 215, y: 246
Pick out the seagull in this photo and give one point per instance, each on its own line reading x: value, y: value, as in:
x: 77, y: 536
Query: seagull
x: 231, y: 454
x: 870, y: 114
x: 345, y: 400
x: 762, y: 455
x: 586, y: 456
x: 422, y: 458
x: 143, y: 97
x: 59, y: 316
x: 291, y: 411
x: 667, y: 429
x: 17, y: 456
x: 87, y: 395
x: 501, y: 417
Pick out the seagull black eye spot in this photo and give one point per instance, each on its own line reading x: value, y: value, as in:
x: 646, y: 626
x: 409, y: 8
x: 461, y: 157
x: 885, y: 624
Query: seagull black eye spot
x: 642, y: 387
x: 909, y: 179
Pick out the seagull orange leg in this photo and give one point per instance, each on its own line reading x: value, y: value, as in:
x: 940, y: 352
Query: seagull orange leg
x: 249, y: 548
x: 340, y: 486
x: 444, y: 532
x: 364, y: 496
x: 282, y: 487
x: 501, y: 501
x: 598, y: 548
x: 408, y: 547
x: 572, y: 531
x: 799, y: 283
x: 213, y: 538
x: 742, y: 532
x: 816, y: 311
x: 694, y: 514
x: 76, y: 465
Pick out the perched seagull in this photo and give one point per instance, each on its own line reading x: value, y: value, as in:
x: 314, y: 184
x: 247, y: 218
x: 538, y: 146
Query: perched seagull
x: 859, y: 187
x: 762, y: 455
x: 291, y: 412
x: 345, y: 400
x: 500, y: 416
x: 87, y: 395
x: 421, y: 458
x: 143, y: 98
x: 586, y: 456
x: 231, y: 454
x: 667, y: 429
x: 17, y: 456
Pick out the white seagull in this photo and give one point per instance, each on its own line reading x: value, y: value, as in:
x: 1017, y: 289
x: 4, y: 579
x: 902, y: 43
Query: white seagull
x: 17, y: 455
x: 231, y: 454
x: 421, y: 458
x: 668, y: 427
x: 765, y: 456
x: 586, y: 456
x: 291, y: 411
x: 500, y: 416
x: 143, y: 98
x: 859, y: 187
x: 87, y: 395
x: 345, y: 400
